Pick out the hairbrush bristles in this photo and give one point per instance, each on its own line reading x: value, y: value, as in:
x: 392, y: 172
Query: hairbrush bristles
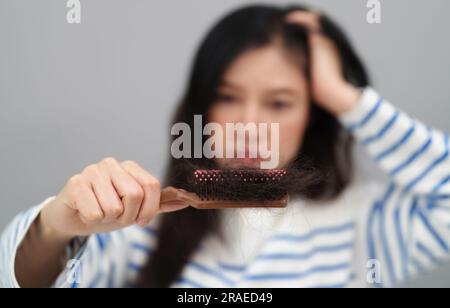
x: 231, y: 188
x: 239, y: 185
x: 213, y: 188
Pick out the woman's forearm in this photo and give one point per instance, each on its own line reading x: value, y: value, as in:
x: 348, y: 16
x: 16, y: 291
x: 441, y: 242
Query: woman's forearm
x: 40, y: 257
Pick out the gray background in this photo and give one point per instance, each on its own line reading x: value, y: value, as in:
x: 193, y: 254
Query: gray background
x: 71, y: 95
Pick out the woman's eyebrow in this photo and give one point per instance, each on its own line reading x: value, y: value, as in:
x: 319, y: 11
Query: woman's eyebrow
x: 284, y: 90
x: 228, y: 84
x: 272, y: 91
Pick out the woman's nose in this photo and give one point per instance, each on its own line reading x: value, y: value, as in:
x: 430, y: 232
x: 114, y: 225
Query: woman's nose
x: 250, y: 113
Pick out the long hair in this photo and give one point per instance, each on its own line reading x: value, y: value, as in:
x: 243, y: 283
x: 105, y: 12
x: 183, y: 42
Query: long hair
x: 327, y: 145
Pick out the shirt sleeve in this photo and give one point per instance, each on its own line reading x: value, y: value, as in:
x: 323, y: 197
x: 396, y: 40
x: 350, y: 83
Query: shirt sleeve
x: 414, y: 155
x: 408, y: 226
x: 102, y: 260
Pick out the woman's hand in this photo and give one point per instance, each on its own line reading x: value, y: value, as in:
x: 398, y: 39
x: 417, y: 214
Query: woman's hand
x: 105, y: 197
x: 329, y: 88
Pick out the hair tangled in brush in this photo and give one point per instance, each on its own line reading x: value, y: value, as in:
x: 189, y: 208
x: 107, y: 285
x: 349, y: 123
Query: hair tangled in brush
x: 232, y: 184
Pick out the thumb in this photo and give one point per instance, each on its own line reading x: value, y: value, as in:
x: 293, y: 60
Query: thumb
x: 172, y: 207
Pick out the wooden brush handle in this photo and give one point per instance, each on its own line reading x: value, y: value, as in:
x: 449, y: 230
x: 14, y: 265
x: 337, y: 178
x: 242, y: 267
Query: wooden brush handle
x: 171, y: 194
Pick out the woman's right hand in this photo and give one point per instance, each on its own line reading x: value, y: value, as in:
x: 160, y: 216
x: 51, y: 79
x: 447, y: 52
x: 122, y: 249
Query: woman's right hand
x: 105, y: 197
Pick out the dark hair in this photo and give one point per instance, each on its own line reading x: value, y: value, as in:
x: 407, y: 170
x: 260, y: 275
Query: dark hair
x: 327, y: 145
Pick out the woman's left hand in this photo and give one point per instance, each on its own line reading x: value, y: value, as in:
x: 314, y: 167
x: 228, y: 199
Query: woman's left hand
x: 329, y: 88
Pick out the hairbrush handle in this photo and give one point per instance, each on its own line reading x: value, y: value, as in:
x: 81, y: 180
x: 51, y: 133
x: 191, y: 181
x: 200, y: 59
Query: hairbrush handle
x: 173, y: 195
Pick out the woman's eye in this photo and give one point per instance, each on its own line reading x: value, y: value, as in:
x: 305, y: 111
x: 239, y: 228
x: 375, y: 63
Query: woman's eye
x: 225, y: 98
x: 279, y: 105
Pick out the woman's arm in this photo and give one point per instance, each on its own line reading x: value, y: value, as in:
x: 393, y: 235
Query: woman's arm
x: 41, y: 256
x: 105, y: 197
x: 101, y: 260
x: 407, y: 228
x: 414, y: 155
x: 30, y: 255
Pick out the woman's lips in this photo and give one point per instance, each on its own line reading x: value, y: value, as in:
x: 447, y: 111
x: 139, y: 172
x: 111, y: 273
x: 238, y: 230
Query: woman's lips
x: 244, y: 162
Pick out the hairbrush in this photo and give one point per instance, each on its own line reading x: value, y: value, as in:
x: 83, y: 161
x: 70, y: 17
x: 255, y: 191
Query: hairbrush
x: 233, y: 188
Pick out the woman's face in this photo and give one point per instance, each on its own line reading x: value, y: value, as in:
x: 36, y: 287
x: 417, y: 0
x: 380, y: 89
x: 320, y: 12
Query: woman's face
x: 264, y: 85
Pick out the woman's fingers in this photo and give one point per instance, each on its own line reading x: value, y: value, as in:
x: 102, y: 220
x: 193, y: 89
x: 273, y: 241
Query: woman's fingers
x: 311, y: 21
x: 308, y: 19
x: 151, y: 188
x: 327, y: 78
x: 85, y: 201
x: 105, y: 193
x: 128, y: 189
x: 105, y: 197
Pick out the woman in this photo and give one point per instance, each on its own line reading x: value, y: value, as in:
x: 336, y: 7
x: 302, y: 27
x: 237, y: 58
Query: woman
x: 259, y: 64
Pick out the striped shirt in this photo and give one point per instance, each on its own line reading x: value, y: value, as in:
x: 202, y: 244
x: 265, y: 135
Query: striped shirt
x: 376, y: 233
